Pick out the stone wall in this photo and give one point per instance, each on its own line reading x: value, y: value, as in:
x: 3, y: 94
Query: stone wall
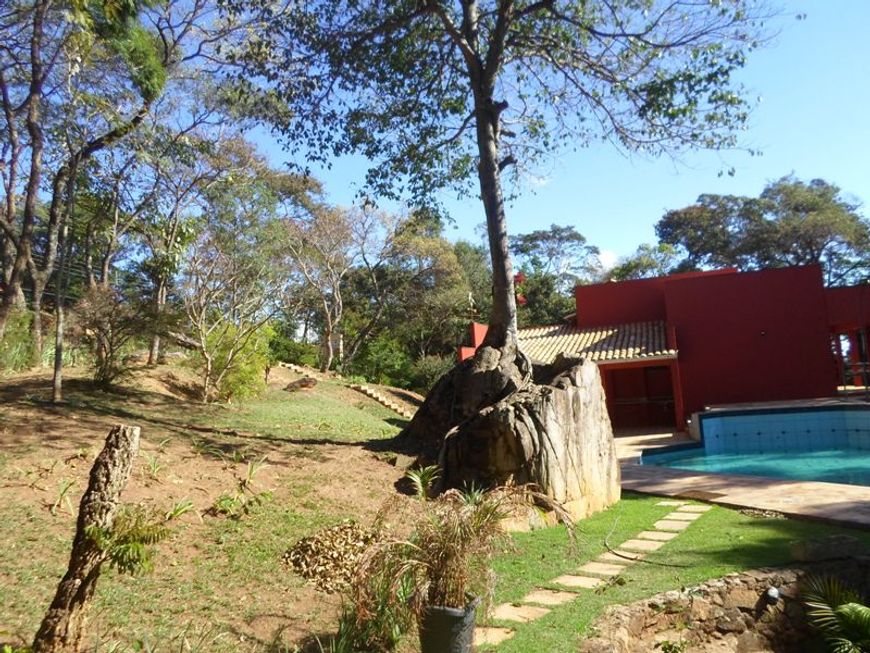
x: 733, y: 614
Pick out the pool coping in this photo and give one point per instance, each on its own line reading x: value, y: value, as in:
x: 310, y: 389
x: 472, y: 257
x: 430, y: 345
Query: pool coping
x: 835, y: 503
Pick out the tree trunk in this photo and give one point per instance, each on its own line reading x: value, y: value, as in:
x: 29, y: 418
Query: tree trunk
x: 159, y: 305
x: 496, y: 417
x: 326, y: 358
x: 63, y: 627
x: 61, y: 286
x: 34, y: 178
x: 36, y: 330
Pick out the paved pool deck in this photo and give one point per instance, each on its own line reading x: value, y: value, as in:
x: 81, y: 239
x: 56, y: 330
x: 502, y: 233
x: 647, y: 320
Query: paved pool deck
x: 831, y: 502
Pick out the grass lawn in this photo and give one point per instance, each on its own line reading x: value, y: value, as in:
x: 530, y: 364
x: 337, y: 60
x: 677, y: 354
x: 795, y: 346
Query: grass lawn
x: 220, y: 581
x: 720, y: 542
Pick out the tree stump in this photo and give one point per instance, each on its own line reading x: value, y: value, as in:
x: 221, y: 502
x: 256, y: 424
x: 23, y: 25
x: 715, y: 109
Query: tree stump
x: 63, y: 627
x: 553, y: 431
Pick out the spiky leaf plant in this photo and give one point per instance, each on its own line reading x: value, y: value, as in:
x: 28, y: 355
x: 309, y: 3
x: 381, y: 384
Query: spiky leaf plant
x: 838, y: 613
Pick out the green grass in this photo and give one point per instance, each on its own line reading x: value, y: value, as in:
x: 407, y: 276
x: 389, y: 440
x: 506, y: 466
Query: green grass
x: 720, y: 542
x: 318, y: 414
x: 223, y: 572
x: 228, y: 573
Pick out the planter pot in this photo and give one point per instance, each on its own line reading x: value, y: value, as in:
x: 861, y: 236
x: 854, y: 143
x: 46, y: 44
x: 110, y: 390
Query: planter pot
x: 447, y: 630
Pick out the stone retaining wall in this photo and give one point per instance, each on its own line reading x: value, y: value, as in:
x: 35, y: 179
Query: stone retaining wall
x: 729, y: 614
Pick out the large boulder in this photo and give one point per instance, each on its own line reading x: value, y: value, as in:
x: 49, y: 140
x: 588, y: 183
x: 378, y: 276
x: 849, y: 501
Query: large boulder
x: 554, y: 432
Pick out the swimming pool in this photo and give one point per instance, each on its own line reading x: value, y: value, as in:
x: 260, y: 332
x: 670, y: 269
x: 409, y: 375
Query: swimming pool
x: 830, y: 444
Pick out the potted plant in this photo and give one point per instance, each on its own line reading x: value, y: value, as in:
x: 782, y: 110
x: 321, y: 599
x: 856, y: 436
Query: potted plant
x: 448, y: 558
x: 437, y: 572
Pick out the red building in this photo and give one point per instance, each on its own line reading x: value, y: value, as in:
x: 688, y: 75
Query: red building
x: 669, y: 346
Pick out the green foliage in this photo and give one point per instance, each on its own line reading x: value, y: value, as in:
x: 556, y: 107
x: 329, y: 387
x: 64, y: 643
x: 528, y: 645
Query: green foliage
x: 384, y: 360
x: 791, y: 223
x: 837, y: 612
x: 423, y: 480
x: 539, y: 301
x: 474, y: 265
x: 426, y: 370
x: 242, y: 364
x: 559, y: 252
x: 647, y: 261
x: 577, y: 71
x: 283, y: 347
x: 115, y: 24
x: 107, y: 324
x: 16, y: 346
x: 128, y: 545
x: 245, y: 498
x: 140, y: 51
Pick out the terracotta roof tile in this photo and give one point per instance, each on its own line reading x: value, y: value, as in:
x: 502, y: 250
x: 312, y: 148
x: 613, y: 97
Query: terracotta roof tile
x: 621, y: 342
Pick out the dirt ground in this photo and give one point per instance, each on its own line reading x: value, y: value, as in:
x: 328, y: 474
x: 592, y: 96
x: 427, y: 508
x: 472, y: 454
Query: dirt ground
x: 46, y: 453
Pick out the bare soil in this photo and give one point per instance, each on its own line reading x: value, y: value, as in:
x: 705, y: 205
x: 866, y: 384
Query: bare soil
x: 44, y: 448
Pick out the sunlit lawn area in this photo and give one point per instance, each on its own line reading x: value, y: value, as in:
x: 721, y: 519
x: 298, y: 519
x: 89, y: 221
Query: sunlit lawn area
x: 223, y: 579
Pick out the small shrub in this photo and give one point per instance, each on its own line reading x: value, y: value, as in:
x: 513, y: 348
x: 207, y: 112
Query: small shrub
x: 128, y: 546
x: 426, y: 371
x: 287, y: 350
x: 837, y: 612
x: 237, y: 366
x: 16, y: 347
x: 107, y: 324
x: 245, y: 497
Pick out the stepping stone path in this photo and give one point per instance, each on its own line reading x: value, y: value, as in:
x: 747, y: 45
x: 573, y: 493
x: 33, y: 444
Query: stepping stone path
x: 591, y: 575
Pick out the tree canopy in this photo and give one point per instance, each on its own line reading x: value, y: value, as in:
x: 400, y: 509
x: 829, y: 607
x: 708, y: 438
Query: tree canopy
x: 792, y: 222
x: 436, y: 93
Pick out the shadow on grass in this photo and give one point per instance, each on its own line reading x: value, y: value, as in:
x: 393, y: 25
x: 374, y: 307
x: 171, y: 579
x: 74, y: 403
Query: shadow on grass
x: 88, y: 409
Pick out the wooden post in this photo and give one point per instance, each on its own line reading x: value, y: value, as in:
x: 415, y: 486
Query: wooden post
x: 63, y: 627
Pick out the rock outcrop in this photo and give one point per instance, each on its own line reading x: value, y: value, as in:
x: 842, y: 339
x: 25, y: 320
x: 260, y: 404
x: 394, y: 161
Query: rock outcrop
x: 554, y: 432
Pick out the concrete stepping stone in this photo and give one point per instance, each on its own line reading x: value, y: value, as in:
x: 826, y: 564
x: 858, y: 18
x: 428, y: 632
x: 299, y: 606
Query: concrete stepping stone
x: 578, y: 582
x: 521, y: 613
x: 543, y: 596
x: 625, y: 557
x: 683, y: 516
x: 671, y: 525
x: 486, y: 635
x: 658, y: 536
x: 671, y: 503
x: 694, y: 508
x: 602, y: 569
x: 642, y: 545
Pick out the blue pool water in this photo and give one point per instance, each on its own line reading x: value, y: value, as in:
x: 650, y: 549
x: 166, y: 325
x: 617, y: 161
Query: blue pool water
x: 829, y: 465
x: 820, y: 443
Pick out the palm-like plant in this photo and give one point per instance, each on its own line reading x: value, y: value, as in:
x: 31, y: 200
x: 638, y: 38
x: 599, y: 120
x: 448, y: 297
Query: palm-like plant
x: 838, y: 613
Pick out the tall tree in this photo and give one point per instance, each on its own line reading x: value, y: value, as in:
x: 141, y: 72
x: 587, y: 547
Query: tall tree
x: 321, y: 246
x: 792, y: 222
x: 440, y: 92
x: 474, y: 263
x: 58, y: 62
x: 560, y: 252
x: 647, y: 261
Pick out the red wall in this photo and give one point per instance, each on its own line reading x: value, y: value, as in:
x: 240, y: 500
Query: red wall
x: 640, y: 300
x: 848, y: 308
x: 759, y: 336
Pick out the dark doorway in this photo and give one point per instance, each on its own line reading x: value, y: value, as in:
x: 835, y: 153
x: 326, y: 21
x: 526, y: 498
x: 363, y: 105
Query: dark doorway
x: 640, y: 396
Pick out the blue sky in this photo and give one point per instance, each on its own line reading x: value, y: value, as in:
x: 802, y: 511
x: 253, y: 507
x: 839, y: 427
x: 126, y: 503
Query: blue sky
x: 814, y: 81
